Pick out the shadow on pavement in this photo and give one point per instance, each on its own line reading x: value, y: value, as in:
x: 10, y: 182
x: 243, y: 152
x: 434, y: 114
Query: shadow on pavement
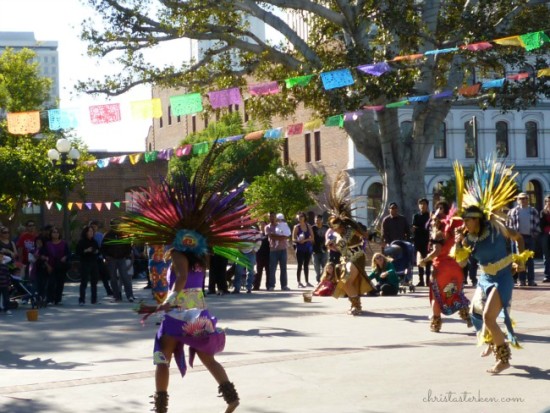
x: 11, y: 360
x: 531, y: 372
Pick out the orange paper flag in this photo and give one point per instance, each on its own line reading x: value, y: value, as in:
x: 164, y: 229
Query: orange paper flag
x: 23, y: 123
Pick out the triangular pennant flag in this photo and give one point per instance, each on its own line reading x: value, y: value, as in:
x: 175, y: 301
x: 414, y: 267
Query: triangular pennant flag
x: 59, y: 206
x: 70, y: 205
x: 78, y: 205
x: 134, y: 158
x: 23, y: 123
x: 543, y: 72
x: 298, y: 81
x: 117, y: 204
x: 108, y: 205
x: 509, y: 41
x: 98, y: 205
x: 88, y: 205
x: 49, y: 204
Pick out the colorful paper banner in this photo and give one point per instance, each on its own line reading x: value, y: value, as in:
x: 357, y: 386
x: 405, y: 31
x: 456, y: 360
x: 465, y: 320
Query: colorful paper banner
x: 188, y: 104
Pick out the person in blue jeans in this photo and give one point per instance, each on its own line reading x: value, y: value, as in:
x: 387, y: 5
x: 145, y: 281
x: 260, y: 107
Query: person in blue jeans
x: 241, y: 271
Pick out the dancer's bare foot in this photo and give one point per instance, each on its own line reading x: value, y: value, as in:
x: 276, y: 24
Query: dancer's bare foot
x: 498, y: 367
x: 487, y: 351
x: 231, y: 407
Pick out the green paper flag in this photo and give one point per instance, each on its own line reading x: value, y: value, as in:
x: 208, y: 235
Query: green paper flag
x: 186, y: 104
x: 298, y: 81
x: 532, y: 41
x: 200, y: 148
x: 397, y: 104
x: 151, y: 156
x: 117, y: 204
x: 59, y: 206
x: 337, y: 120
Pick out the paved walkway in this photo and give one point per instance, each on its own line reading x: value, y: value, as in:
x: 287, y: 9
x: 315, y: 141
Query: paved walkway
x: 283, y: 354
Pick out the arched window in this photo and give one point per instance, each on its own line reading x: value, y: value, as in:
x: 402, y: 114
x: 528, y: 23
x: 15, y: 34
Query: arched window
x: 534, y: 190
x: 440, y: 142
x: 531, y: 139
x: 502, y: 139
x: 374, y: 201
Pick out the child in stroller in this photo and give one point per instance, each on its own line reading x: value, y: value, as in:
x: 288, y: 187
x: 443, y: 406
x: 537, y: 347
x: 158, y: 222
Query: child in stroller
x: 404, y: 260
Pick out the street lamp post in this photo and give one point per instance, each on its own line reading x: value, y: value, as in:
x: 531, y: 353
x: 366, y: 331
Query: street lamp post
x: 475, y: 137
x: 64, y: 157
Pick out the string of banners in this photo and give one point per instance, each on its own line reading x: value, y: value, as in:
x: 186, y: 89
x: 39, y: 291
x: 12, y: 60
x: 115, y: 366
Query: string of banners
x: 25, y: 123
x: 89, y: 206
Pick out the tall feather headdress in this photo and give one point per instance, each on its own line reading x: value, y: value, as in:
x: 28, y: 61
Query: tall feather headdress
x: 339, y: 203
x: 192, y: 215
x: 492, y: 188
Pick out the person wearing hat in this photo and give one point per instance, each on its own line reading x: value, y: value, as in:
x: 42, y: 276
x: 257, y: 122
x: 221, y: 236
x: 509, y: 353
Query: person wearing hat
x: 525, y: 219
x: 116, y: 254
x: 395, y: 226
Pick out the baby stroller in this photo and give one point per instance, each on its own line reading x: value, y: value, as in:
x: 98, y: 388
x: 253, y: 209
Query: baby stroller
x: 22, y: 290
x: 404, y: 259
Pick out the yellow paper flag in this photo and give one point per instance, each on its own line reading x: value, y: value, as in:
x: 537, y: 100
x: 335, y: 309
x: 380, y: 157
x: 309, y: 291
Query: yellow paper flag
x: 23, y: 123
x: 543, y: 72
x: 313, y: 124
x: 146, y: 109
x: 509, y: 41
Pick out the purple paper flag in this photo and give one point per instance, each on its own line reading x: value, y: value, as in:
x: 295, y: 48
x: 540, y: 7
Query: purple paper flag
x: 376, y: 69
x: 224, y: 98
x: 269, y: 88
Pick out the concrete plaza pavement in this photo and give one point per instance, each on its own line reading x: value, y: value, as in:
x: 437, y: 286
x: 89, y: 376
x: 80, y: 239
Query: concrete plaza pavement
x: 284, y: 355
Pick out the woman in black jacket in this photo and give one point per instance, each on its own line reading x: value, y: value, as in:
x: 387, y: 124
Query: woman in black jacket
x: 88, y: 250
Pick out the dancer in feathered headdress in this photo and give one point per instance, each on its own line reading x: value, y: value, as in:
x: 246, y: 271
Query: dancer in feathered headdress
x: 485, y: 236
x: 348, y: 238
x: 192, y: 217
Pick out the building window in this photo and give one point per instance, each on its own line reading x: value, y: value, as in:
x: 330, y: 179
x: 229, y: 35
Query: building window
x: 169, y: 114
x: 317, y: 143
x: 246, y: 118
x: 161, y: 123
x: 502, y: 139
x: 179, y: 118
x: 286, y: 157
x: 470, y: 139
x: 205, y: 122
x: 531, y: 140
x: 194, y: 123
x: 440, y: 142
x: 374, y: 201
x: 217, y: 115
x: 307, y: 146
x: 236, y: 108
x: 230, y: 108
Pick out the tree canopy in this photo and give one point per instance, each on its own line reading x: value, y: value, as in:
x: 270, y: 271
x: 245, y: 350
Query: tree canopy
x: 27, y: 174
x: 337, y: 34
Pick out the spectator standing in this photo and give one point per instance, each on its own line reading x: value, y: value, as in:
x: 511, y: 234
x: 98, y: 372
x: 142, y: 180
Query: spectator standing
x: 395, y: 226
x: 7, y: 246
x: 525, y: 219
x: 217, y: 275
x: 302, y: 237
x: 277, y: 234
x: 421, y: 238
x: 104, y: 275
x: 320, y: 253
x: 88, y: 251
x: 333, y: 252
x: 116, y: 255
x: 4, y: 284
x: 545, y: 238
x: 240, y: 270
x: 25, y: 244
x: 58, y: 253
x: 262, y: 259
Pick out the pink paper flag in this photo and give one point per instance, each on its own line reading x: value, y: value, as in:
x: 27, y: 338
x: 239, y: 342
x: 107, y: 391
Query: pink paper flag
x: 226, y: 97
x: 105, y: 113
x: 518, y: 76
x: 269, y: 88
x: 375, y: 107
x: 98, y: 205
x: 474, y: 47
x: 23, y: 123
x: 295, y: 129
x: 184, y: 150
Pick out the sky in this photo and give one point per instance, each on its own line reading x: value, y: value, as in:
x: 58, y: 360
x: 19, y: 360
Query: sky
x: 59, y: 20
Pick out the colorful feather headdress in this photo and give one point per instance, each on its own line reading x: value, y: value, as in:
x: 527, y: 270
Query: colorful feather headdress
x: 492, y: 188
x: 339, y: 204
x: 192, y: 215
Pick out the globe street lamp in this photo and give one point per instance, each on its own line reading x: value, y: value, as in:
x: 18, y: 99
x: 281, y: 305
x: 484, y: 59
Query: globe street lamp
x: 64, y: 158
